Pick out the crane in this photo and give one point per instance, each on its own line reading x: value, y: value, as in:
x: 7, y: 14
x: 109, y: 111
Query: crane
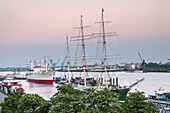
x: 54, y: 64
x: 142, y: 60
x: 140, y: 57
x: 57, y: 61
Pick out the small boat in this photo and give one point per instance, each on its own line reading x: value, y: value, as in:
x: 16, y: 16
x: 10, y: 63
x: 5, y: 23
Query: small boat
x: 9, y: 87
x: 9, y: 78
x: 161, y: 95
x: 20, y: 78
x: 57, y: 79
x: 2, y: 78
x: 63, y: 81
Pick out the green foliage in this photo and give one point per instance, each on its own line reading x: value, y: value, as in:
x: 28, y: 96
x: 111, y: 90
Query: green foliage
x: 44, y: 107
x: 99, y: 100
x: 137, y: 104
x: 29, y: 102
x: 10, y: 103
x: 70, y: 100
x: 67, y: 99
x: 155, y: 67
x: 67, y: 89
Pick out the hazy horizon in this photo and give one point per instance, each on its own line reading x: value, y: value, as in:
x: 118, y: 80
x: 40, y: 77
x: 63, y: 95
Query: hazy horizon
x: 32, y: 29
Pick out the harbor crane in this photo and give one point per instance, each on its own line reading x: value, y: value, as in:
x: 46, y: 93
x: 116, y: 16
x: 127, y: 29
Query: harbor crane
x: 140, y: 57
x: 57, y: 61
x: 54, y: 64
x: 142, y: 60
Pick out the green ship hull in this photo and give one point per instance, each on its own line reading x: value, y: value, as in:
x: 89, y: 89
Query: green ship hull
x: 122, y: 93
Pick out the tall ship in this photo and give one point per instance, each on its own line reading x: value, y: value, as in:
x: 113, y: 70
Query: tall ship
x: 107, y: 81
x: 40, y: 73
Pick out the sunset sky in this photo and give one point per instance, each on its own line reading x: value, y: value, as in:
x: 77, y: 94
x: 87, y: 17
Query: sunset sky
x: 34, y: 28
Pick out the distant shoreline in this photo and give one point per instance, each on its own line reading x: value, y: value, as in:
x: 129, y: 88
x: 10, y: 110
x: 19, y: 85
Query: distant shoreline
x: 102, y: 71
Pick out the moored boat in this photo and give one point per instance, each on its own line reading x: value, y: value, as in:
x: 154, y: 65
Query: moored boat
x: 9, y: 87
x: 40, y: 73
x: 121, y: 90
x: 2, y: 78
x: 46, y: 77
x: 160, y: 95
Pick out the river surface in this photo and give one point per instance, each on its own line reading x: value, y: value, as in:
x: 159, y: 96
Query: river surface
x: 152, y: 82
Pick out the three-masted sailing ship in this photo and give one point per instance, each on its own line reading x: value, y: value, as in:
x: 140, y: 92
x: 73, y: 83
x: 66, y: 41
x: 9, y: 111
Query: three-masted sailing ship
x: 116, y: 88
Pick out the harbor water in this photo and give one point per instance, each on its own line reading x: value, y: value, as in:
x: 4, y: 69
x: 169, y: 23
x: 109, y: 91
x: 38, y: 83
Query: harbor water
x: 153, y: 82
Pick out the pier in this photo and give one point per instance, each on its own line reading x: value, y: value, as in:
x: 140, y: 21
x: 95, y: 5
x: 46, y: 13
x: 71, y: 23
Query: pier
x: 2, y: 97
x: 161, y: 103
x: 164, y: 106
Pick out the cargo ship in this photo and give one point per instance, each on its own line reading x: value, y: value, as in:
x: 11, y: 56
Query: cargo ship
x: 40, y: 73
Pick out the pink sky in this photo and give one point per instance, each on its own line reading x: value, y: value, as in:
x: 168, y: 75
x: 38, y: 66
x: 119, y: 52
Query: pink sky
x: 22, y: 21
x: 47, y: 22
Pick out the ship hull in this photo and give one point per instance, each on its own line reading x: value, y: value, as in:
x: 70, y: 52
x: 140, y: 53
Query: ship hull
x: 122, y: 93
x: 46, y: 77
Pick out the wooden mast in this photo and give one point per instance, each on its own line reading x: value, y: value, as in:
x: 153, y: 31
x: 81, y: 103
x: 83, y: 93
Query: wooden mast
x: 82, y: 38
x: 83, y: 46
x: 68, y: 62
x: 104, y: 35
x: 104, y: 45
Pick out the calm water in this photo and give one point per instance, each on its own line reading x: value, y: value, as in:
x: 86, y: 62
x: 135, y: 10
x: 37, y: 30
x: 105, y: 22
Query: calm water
x: 152, y: 82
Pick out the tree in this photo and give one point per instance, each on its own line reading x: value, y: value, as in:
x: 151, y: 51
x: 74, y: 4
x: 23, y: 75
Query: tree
x: 68, y: 99
x: 10, y: 103
x: 29, y: 102
x: 67, y: 89
x: 44, y: 107
x: 101, y: 101
x: 137, y: 104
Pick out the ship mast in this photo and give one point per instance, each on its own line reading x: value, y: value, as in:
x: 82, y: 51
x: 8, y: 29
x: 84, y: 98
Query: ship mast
x: 104, y: 35
x: 46, y: 64
x: 104, y: 45
x: 82, y: 38
x: 68, y: 62
x: 83, y: 46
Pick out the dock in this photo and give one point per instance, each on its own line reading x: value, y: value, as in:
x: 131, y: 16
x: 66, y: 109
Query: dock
x: 161, y: 103
x: 2, y: 97
x: 164, y: 106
